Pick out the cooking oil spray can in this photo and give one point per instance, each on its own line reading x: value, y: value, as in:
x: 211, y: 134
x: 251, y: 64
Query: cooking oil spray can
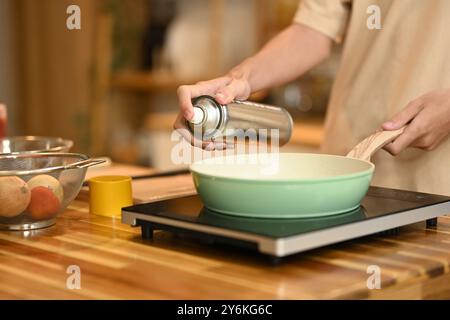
x: 237, y: 119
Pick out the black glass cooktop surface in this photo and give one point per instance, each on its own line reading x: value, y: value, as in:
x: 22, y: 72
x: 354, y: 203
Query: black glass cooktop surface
x: 379, y: 202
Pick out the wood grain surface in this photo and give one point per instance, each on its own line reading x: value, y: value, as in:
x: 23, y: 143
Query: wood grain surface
x: 366, y: 148
x: 116, y: 263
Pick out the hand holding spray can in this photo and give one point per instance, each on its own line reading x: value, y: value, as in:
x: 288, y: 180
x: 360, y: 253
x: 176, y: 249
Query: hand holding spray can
x: 239, y: 119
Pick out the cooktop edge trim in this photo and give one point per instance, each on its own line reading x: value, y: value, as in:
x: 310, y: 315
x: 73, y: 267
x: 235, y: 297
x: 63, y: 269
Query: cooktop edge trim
x: 286, y: 246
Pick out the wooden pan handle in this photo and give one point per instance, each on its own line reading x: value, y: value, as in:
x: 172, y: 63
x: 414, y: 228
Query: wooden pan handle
x: 366, y: 148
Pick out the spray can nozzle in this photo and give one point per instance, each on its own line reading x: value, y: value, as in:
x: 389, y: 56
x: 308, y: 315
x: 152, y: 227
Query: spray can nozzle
x: 199, y: 116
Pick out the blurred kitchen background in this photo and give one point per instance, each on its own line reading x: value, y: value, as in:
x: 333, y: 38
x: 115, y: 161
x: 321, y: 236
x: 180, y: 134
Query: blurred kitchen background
x: 111, y: 86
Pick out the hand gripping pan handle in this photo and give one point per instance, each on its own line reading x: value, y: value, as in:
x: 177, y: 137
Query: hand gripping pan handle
x: 366, y: 148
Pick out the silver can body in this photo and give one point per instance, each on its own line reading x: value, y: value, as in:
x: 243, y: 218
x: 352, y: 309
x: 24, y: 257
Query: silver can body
x: 241, y: 119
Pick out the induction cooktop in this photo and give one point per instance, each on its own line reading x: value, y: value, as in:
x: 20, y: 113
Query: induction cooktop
x: 382, y: 210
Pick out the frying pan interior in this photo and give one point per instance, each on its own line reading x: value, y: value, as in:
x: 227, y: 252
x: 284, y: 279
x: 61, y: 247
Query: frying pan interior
x: 284, y: 166
x: 286, y: 185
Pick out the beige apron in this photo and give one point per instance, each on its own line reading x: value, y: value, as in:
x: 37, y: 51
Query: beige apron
x: 380, y: 72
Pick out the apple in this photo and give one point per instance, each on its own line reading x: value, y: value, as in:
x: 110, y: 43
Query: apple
x: 44, y: 203
x: 14, y: 196
x: 45, y: 180
x: 46, y: 197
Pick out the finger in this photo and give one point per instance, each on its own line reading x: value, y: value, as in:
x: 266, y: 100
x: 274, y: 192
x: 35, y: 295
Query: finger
x: 180, y: 122
x: 236, y: 89
x: 181, y: 127
x: 187, y: 92
x: 215, y: 145
x: 429, y: 141
x: 404, y: 116
x: 187, y: 135
x: 403, y: 141
x: 210, y: 86
x: 423, y: 142
x: 184, y: 100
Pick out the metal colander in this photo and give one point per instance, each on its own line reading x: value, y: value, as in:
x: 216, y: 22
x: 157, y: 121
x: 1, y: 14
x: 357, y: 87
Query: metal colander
x: 68, y: 168
x: 33, y: 144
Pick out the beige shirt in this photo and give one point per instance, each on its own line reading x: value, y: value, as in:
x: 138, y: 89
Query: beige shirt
x: 380, y: 72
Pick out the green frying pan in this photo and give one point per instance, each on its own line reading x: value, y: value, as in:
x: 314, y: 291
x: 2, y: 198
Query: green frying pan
x: 288, y: 185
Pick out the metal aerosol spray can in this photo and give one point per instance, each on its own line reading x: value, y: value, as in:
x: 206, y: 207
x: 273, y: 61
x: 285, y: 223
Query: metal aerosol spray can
x: 214, y: 120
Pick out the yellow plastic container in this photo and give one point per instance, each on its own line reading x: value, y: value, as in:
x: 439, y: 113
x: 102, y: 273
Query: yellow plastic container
x: 109, y: 194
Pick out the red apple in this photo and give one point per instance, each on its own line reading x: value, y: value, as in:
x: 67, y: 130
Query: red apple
x: 46, y: 197
x: 44, y: 203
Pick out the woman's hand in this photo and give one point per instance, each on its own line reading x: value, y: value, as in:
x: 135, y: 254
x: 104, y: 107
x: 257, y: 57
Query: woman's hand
x: 223, y: 89
x: 273, y: 65
x: 427, y: 121
x: 183, y: 130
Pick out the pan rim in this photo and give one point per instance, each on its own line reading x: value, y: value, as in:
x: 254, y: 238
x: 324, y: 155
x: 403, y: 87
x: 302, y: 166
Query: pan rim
x: 355, y: 175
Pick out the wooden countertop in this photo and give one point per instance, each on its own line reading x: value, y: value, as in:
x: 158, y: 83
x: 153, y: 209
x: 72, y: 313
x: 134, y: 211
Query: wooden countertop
x: 116, y: 263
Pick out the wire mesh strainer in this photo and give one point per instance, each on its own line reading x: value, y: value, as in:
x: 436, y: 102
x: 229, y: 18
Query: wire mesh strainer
x: 33, y: 144
x: 69, y: 169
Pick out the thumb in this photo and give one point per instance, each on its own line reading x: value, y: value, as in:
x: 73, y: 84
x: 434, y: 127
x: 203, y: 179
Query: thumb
x: 405, y: 116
